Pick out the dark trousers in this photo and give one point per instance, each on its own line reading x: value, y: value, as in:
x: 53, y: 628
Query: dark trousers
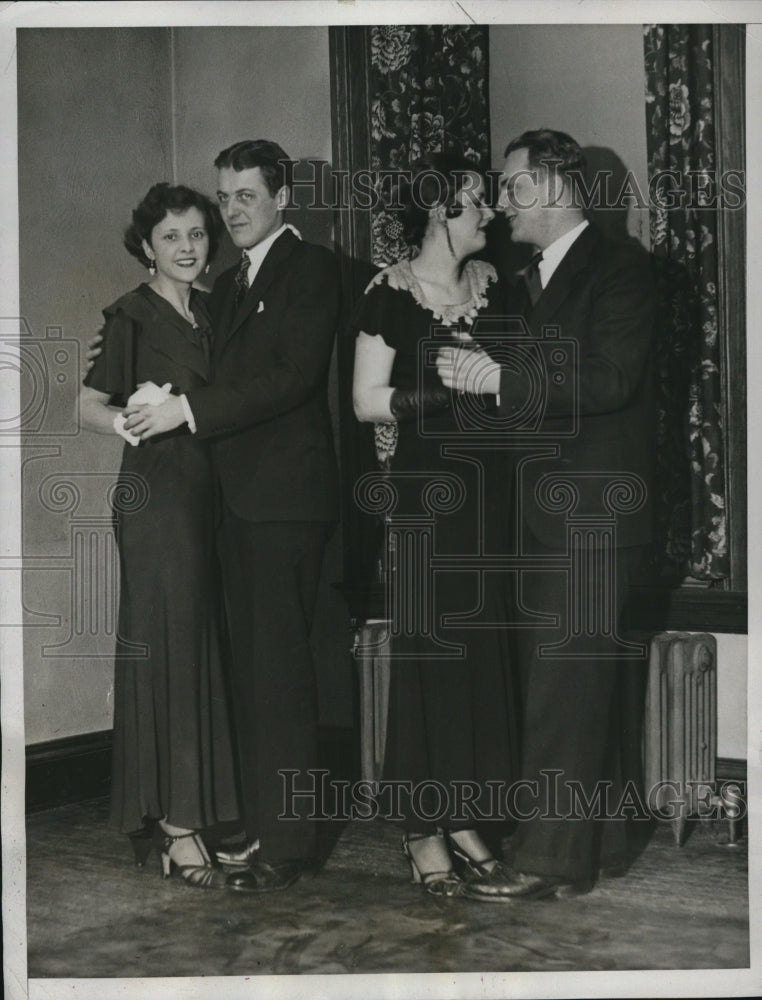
x: 572, y: 732
x: 271, y: 572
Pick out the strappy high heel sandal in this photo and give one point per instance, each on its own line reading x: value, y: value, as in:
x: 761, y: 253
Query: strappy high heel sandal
x: 201, y: 875
x: 441, y: 881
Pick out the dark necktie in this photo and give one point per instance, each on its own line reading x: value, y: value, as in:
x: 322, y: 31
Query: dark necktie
x: 242, y: 279
x: 532, y: 278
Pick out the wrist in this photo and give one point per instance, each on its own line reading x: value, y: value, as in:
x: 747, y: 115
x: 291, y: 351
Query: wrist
x: 492, y: 380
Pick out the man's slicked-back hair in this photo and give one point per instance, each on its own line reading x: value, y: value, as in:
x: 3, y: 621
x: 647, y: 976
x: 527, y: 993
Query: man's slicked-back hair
x: 545, y: 146
x: 276, y: 167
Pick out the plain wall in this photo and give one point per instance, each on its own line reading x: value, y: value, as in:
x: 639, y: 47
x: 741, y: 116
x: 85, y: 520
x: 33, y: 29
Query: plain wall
x: 103, y: 114
x: 732, y: 686
x: 93, y: 111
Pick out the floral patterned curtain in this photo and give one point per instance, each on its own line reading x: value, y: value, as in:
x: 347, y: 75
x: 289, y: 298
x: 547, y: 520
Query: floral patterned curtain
x: 681, y: 148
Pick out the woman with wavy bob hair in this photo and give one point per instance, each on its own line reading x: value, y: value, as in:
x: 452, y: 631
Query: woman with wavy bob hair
x: 173, y: 771
x: 452, y: 700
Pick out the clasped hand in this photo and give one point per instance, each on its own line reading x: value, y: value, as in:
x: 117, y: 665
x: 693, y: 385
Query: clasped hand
x: 468, y: 370
x: 145, y: 421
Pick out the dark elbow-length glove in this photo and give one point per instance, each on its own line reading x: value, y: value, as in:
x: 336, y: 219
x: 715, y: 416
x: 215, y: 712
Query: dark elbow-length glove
x: 406, y: 404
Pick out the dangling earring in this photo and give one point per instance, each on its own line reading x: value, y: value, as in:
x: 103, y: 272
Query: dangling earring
x: 206, y: 269
x: 152, y: 268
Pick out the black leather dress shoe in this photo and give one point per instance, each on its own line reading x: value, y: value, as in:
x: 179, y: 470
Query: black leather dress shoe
x: 495, y: 884
x: 237, y: 855
x: 524, y: 886
x: 261, y: 876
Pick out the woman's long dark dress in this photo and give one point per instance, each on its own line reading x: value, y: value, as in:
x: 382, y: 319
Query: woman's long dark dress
x: 172, y: 738
x: 450, y: 720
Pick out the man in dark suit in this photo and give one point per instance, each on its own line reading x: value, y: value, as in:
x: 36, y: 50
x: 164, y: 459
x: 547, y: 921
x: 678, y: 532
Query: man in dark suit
x: 580, y: 421
x: 274, y: 317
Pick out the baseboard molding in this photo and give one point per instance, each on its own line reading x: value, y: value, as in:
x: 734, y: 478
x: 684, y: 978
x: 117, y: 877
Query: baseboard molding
x: 77, y: 768
x: 73, y: 769
x: 731, y: 769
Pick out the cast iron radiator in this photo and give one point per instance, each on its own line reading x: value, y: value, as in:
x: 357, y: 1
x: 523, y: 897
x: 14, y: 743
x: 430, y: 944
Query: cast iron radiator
x: 680, y: 731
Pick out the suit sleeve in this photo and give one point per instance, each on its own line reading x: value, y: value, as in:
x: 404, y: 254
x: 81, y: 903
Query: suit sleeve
x: 306, y: 332
x: 611, y: 355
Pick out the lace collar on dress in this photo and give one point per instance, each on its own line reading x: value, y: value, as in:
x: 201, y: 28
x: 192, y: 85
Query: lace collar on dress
x: 479, y: 273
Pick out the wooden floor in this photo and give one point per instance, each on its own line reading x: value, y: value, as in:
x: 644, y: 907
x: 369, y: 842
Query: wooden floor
x: 91, y: 913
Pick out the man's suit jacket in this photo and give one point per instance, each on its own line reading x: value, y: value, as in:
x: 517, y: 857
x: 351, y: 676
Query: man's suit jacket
x: 267, y: 411
x: 601, y: 295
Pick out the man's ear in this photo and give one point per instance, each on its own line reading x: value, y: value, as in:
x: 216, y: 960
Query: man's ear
x: 283, y: 196
x: 556, y: 183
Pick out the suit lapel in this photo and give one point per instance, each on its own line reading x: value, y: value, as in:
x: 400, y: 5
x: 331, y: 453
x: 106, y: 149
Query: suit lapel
x: 560, y: 284
x: 278, y: 252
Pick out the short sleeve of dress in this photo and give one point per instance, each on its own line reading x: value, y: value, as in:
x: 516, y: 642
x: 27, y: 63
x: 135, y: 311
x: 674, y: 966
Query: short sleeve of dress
x: 381, y: 311
x: 112, y: 371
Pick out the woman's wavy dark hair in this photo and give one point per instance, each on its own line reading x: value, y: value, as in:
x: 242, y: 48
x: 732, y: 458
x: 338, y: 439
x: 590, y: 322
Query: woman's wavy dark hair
x: 436, y: 179
x: 164, y: 198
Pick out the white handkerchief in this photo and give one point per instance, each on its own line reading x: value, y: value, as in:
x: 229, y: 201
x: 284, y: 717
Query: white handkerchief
x: 261, y: 307
x: 146, y: 392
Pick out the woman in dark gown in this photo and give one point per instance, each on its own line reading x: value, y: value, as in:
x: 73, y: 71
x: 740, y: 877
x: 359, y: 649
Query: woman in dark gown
x: 450, y: 719
x: 173, y: 756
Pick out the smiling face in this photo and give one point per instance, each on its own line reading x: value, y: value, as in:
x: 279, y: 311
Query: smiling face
x: 249, y: 211
x: 179, y: 246
x: 467, y: 230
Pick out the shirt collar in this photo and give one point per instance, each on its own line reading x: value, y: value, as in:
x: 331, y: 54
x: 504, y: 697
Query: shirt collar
x: 257, y: 254
x: 555, y: 253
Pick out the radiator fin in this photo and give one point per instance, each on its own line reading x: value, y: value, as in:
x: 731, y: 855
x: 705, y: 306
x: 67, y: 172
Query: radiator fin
x: 681, y: 721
